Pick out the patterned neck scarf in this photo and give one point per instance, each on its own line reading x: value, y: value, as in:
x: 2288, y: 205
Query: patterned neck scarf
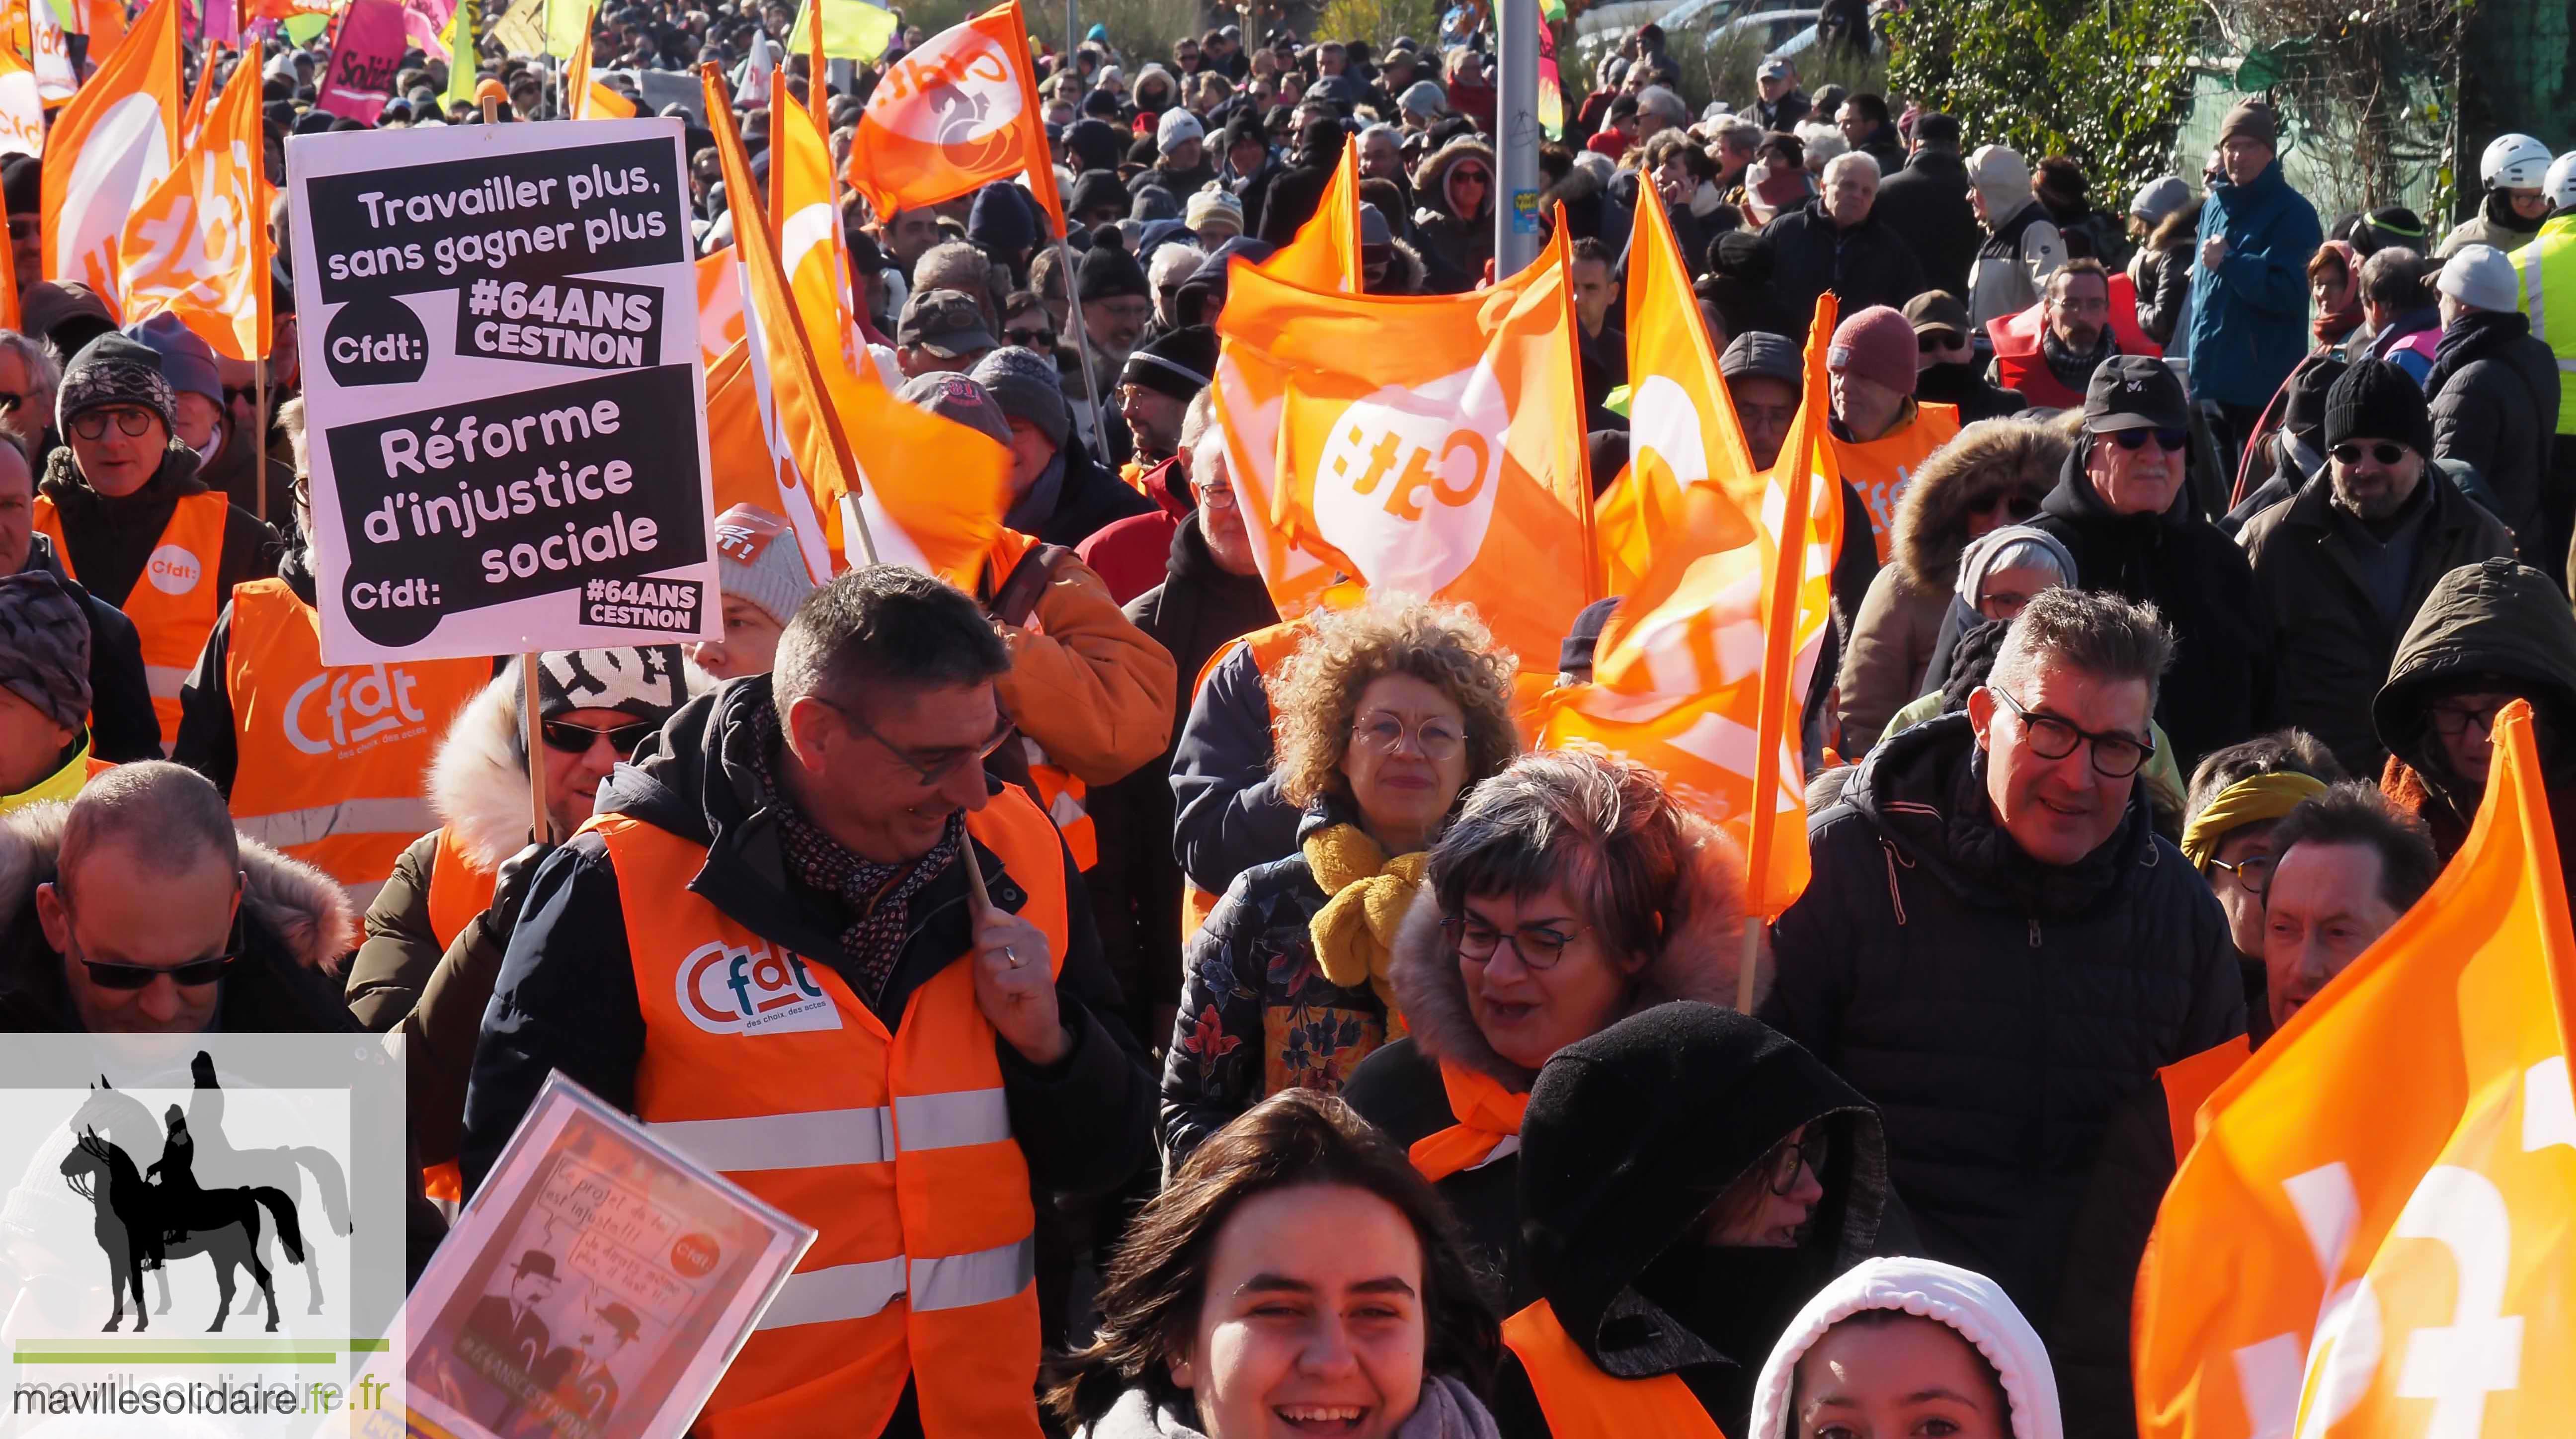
x: 878, y: 896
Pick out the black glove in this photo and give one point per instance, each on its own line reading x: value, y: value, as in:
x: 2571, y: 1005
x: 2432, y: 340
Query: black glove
x: 510, y: 892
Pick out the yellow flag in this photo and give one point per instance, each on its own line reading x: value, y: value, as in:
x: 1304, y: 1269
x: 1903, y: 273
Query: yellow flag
x: 567, y: 25
x: 852, y: 30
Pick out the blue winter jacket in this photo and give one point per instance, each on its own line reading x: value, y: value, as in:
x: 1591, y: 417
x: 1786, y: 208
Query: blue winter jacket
x: 2248, y: 324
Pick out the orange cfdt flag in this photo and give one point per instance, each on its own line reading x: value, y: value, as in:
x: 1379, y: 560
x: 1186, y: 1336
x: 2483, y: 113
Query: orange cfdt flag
x: 1700, y: 674
x: 2376, y: 1231
x: 193, y: 122
x: 1430, y: 445
x: 719, y: 308
x: 930, y: 489
x: 1325, y: 255
x: 589, y: 99
x: 129, y: 110
x: 952, y: 115
x: 805, y: 223
x: 198, y: 246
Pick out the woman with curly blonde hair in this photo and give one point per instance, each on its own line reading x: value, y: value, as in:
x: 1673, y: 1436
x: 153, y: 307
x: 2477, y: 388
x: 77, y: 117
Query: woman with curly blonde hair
x: 1385, y: 716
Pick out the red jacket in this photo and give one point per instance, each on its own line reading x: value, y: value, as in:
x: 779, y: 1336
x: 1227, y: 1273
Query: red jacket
x: 1130, y: 555
x: 2020, y: 365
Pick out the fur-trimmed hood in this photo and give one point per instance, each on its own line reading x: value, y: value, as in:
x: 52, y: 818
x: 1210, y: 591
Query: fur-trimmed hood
x: 1986, y: 459
x: 478, y: 785
x: 1701, y: 957
x: 300, y: 927
x: 1430, y: 183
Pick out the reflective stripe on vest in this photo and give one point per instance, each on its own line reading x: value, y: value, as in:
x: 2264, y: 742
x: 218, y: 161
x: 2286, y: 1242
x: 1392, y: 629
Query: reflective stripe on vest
x: 173, y: 603
x: 332, y: 760
x: 2549, y: 263
x: 896, y: 1147
x: 459, y: 889
x: 1882, y: 468
x: 1066, y: 800
x: 1581, y: 1402
x: 2188, y: 1084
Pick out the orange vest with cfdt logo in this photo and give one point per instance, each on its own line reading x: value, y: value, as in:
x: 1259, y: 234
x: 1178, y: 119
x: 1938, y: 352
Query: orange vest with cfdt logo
x: 458, y: 889
x: 896, y: 1147
x: 332, y: 759
x: 1881, y: 469
x: 173, y: 604
x: 1058, y: 791
x: 1581, y: 1402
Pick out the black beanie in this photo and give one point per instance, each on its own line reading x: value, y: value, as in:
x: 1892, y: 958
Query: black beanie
x: 22, y: 184
x: 1109, y: 272
x: 1178, y: 363
x: 1099, y: 189
x: 2305, y: 415
x: 2375, y: 400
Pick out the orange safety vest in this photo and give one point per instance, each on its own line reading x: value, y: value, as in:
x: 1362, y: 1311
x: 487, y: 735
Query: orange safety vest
x: 897, y: 1148
x: 2190, y: 1082
x: 332, y: 758
x: 1058, y: 791
x: 1271, y: 647
x: 458, y: 890
x: 173, y: 604
x: 2021, y: 366
x: 1882, y: 468
x: 1581, y: 1402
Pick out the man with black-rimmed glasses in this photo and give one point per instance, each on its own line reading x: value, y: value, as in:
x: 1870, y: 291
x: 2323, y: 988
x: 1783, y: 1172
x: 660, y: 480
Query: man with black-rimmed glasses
x: 1998, y: 948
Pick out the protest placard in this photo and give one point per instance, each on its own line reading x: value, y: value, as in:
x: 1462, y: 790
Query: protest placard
x: 596, y: 1288
x: 503, y: 389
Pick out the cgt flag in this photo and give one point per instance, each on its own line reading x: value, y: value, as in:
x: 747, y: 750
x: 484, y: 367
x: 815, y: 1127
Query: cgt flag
x: 112, y: 145
x: 952, y: 115
x: 2376, y: 1231
x: 1431, y: 445
x: 198, y: 246
x: 1699, y: 674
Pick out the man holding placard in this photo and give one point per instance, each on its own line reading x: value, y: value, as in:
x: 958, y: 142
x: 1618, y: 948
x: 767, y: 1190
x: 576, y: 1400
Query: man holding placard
x: 811, y: 945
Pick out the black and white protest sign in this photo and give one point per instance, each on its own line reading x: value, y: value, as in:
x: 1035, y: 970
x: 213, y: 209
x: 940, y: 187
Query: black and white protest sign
x: 502, y: 386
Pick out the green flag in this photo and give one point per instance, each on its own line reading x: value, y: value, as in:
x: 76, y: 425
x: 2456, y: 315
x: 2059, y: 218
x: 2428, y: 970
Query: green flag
x: 852, y: 30
x: 460, y: 54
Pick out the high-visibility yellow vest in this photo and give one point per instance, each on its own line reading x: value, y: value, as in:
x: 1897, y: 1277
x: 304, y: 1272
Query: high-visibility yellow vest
x: 2547, y: 268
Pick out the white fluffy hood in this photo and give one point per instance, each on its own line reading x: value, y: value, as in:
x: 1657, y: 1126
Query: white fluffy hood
x: 1966, y: 1301
x: 478, y: 785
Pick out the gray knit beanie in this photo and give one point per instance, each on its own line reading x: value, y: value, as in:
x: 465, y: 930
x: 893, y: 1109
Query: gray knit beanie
x: 1028, y: 387
x: 757, y: 559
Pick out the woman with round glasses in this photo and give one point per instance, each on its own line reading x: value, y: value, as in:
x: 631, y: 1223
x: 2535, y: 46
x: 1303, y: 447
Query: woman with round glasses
x: 1384, y: 716
x: 1570, y: 891
x: 1689, y: 1179
x: 436, y: 930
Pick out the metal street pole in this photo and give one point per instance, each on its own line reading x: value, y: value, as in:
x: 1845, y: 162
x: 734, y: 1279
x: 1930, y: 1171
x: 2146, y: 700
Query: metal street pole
x: 1071, y: 36
x: 1516, y: 187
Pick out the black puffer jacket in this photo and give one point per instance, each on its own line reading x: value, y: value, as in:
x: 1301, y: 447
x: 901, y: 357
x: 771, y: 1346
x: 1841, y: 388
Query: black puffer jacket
x: 1866, y: 264
x: 1631, y: 1134
x: 2494, y: 389
x: 1996, y: 1010
x: 2219, y: 690
x: 1926, y: 205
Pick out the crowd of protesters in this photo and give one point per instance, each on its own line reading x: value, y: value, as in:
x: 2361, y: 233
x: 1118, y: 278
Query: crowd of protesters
x: 1303, y: 1053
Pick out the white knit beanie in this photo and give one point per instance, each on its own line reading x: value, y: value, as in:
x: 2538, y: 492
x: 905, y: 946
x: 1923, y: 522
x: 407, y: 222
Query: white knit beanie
x: 757, y: 559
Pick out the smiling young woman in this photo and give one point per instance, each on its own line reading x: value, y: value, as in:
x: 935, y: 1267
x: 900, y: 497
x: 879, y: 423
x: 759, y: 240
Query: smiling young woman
x: 1295, y: 1278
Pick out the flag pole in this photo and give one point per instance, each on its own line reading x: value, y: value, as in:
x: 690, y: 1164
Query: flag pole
x: 1082, y: 342
x: 259, y: 476
x: 541, y: 826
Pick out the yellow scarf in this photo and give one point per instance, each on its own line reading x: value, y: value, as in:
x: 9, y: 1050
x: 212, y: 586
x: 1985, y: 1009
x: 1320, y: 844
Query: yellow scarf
x: 61, y: 784
x: 1354, y: 932
x: 2251, y: 800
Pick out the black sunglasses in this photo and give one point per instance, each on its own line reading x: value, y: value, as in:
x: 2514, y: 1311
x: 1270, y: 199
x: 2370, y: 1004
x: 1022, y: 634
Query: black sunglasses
x: 1032, y: 339
x: 2351, y: 451
x: 573, y: 738
x: 201, y: 971
x: 2173, y: 440
x: 1930, y: 340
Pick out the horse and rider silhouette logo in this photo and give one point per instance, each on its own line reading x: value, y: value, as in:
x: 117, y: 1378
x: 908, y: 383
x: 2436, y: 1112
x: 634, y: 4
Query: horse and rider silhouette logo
x: 147, y: 1217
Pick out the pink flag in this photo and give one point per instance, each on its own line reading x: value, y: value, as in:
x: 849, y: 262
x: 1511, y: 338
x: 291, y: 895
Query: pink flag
x: 363, y: 60
x: 425, y: 23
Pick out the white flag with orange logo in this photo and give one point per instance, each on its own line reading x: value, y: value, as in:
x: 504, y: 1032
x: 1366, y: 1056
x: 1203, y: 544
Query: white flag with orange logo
x: 55, y: 81
x: 198, y: 246
x: 1426, y: 444
x: 113, y: 144
x: 952, y: 115
x: 2376, y: 1232
x: 1700, y: 674
x: 22, y: 111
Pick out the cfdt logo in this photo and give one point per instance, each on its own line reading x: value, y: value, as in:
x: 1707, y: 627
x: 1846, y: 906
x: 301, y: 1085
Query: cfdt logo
x: 1406, y: 460
x: 353, y: 708
x: 728, y: 989
x: 174, y: 571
